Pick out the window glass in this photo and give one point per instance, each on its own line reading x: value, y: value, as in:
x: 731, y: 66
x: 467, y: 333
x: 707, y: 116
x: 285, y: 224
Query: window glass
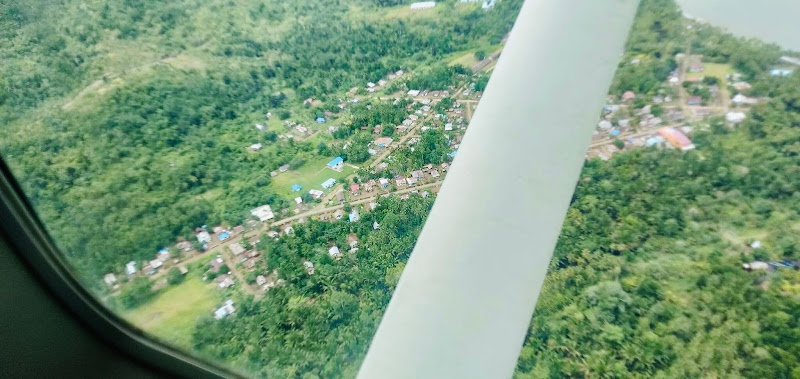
x: 243, y: 180
x: 678, y: 257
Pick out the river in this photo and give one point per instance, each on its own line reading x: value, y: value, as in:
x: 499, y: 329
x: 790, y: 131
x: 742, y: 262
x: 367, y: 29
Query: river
x: 776, y: 21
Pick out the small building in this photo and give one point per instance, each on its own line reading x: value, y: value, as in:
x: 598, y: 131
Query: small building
x: 735, y: 117
x: 155, y: 263
x: 353, y: 217
x: 130, y: 267
x: 225, y: 281
x: 263, y: 213
x: 741, y: 86
x: 183, y: 270
x: 224, y: 310
x: 399, y: 182
x: 334, y: 252
x: 376, y: 226
x: 336, y: 164
x: 628, y: 96
x: 384, y: 183
x: 435, y: 174
x: 413, y: 92
x: 352, y: 240
x: 411, y: 181
x: 676, y: 138
x: 756, y: 265
x: 284, y: 168
x: 445, y: 166
x: 417, y: 174
x: 184, y: 245
x: 740, y: 99
x: 340, y: 197
x: 355, y: 189
x: 162, y: 255
x: 255, y: 147
x: 781, y: 72
x: 329, y: 183
x: 296, y: 187
x: 338, y: 214
x: 423, y: 5
x: 309, y: 267
x: 694, y: 100
x: 223, y: 236
x: 382, y: 142
x: 203, y: 237
x: 261, y: 280
x: 110, y: 279
x: 236, y: 248
x: 316, y: 194
x: 215, y: 265
x: 604, y: 124
x: 370, y: 185
x: 298, y: 200
x: 696, y: 66
x: 260, y: 127
x: 320, y: 120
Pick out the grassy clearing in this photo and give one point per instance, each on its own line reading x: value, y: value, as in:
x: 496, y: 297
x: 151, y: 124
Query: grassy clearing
x: 310, y: 176
x: 171, y: 316
x: 714, y: 69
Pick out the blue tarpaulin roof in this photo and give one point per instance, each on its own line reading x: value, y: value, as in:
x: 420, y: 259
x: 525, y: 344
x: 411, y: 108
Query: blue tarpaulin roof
x: 328, y: 183
x: 320, y: 119
x: 335, y: 161
x: 223, y: 236
x: 614, y: 132
x: 453, y: 154
x: 296, y: 187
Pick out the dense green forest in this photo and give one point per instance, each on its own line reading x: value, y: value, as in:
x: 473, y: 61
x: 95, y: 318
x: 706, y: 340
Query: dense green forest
x: 646, y: 279
x: 126, y: 121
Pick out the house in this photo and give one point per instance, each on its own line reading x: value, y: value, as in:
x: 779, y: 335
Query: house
x: 298, y: 200
x: 418, y: 174
x: 696, y: 66
x: 378, y: 129
x: 445, y: 166
x: 370, y: 84
x: 352, y: 240
x: 183, y: 270
x: 742, y: 86
x: 223, y: 236
x: 781, y: 72
x: 320, y: 120
x: 309, y: 267
x: 238, y: 229
x: 316, y: 194
x: 163, y: 255
x: 273, y: 174
x: 336, y: 164
x: 255, y: 147
x: 288, y: 230
x: 370, y: 185
x: 260, y: 127
x: 755, y: 244
x: 355, y: 189
x: 372, y: 151
x: 372, y: 206
x: 448, y: 126
x: 236, y: 248
x: 676, y: 138
x: 184, y: 245
x: 261, y: 280
x: 334, y: 252
x: 338, y: 214
x: 384, y: 183
x: 756, y: 265
x: 435, y: 174
x: 110, y: 279
x: 740, y: 99
x: 353, y: 217
x: 413, y: 92
x: 203, y: 237
x: 411, y: 181
x: 296, y: 187
x: 735, y: 117
x: 328, y: 183
x: 155, y: 263
x: 215, y: 264
x: 224, y: 310
x: 628, y: 96
x: 250, y: 263
x: 399, y: 182
x: 283, y: 168
x: 694, y: 100
x: 382, y: 142
x: 340, y: 196
x: 263, y: 213
x: 376, y: 226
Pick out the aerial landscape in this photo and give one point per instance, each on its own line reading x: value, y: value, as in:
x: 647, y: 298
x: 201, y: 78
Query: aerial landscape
x: 246, y: 180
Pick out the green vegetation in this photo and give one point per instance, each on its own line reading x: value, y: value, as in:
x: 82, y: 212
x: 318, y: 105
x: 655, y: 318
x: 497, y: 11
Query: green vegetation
x: 172, y: 314
x: 128, y: 123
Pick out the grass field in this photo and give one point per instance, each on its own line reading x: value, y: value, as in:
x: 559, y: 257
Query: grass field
x: 174, y: 312
x: 310, y: 176
x: 714, y: 69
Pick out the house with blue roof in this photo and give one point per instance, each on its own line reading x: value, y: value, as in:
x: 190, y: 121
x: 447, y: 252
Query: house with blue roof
x: 453, y: 154
x: 296, y: 187
x: 321, y: 120
x: 336, y: 164
x: 354, y: 216
x: 781, y: 72
x: 328, y: 183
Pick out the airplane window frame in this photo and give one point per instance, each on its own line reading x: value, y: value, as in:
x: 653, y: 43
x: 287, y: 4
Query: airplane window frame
x: 30, y: 241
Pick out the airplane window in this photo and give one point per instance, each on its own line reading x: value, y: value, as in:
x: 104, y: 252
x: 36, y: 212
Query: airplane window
x: 246, y: 180
x: 243, y: 180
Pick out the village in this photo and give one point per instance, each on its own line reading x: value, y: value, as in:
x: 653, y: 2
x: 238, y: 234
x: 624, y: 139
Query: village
x: 695, y: 92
